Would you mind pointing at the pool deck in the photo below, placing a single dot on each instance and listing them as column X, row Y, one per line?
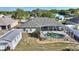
column 67, row 38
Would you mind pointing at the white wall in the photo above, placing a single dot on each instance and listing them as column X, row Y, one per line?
column 14, row 24
column 60, row 16
column 0, row 28
column 30, row 30
column 12, row 44
column 70, row 26
column 2, row 47
column 16, row 41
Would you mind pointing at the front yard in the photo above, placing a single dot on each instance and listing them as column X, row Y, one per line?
column 30, row 44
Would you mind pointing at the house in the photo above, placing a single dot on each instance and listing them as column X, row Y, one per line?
column 72, row 32
column 69, row 16
column 64, row 17
column 75, row 20
column 41, row 24
column 5, row 16
column 7, row 23
column 58, row 16
column 10, row 39
column 72, row 28
column 1, row 16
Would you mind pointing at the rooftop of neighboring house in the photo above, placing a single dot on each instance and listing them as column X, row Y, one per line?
column 40, row 22
column 75, row 20
column 68, row 15
column 5, row 16
column 76, row 32
column 69, row 23
column 10, row 35
column 6, row 21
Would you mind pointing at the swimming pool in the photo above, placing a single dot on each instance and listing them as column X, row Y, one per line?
column 54, row 35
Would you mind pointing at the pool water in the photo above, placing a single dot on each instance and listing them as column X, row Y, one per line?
column 55, row 35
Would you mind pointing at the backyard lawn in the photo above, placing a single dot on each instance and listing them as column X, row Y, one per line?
column 30, row 44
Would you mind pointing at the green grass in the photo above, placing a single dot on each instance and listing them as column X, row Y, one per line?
column 58, row 44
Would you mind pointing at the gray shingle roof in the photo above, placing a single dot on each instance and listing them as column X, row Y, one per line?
column 6, row 21
column 75, row 20
column 40, row 22
column 11, row 35
column 76, row 32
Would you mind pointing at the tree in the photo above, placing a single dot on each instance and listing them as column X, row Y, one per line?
column 53, row 10
column 42, row 13
column 72, row 11
column 63, row 12
column 20, row 14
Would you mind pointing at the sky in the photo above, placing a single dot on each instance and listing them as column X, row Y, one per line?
column 32, row 8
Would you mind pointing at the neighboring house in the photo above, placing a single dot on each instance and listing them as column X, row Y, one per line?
column 69, row 16
column 41, row 24
column 7, row 23
column 72, row 28
column 70, row 24
column 76, row 21
column 64, row 17
column 1, row 16
column 73, row 33
column 10, row 39
column 5, row 16
column 60, row 17
column 23, row 20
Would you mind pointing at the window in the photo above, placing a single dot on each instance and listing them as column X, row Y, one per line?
column 50, row 28
column 59, row 28
column 3, row 43
column 54, row 28
column 44, row 28
column 3, row 27
column 9, row 27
